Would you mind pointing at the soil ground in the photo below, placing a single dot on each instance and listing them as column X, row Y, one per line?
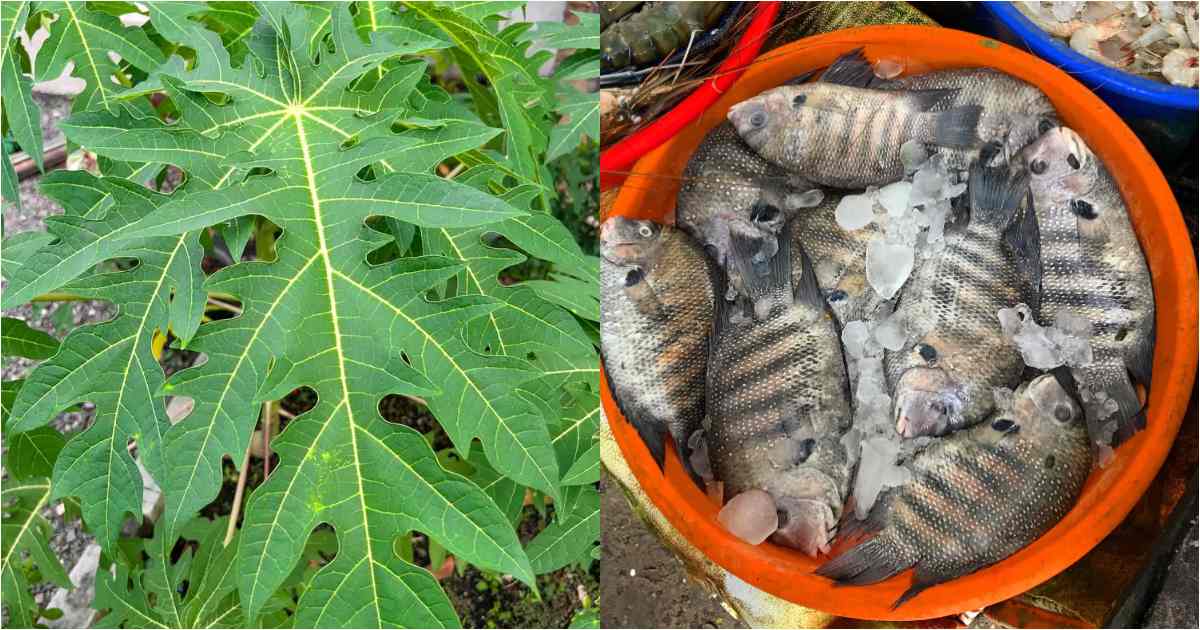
column 641, row 583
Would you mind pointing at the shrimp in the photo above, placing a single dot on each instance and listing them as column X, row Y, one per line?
column 653, row 32
column 1180, row 67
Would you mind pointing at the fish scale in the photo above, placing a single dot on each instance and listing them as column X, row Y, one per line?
column 654, row 334
column 977, row 496
column 760, row 419
column 951, row 305
column 839, row 259
column 1093, row 267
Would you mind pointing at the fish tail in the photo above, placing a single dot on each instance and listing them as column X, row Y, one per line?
column 956, row 127
column 653, row 437
column 1130, row 416
column 867, row 563
column 761, row 275
column 995, row 193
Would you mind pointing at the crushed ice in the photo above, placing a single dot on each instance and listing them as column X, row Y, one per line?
column 1067, row 342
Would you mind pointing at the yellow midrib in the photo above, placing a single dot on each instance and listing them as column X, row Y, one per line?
column 323, row 250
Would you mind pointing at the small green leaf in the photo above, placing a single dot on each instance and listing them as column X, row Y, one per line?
column 22, row 341
column 568, row 538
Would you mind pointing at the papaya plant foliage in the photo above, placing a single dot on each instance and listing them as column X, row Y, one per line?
column 388, row 205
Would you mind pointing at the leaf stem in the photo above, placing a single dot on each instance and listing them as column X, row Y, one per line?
column 237, row 496
column 269, row 419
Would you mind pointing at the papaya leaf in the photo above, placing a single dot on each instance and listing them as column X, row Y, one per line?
column 197, row 590
column 569, row 538
column 23, row 116
column 320, row 316
column 22, row 341
column 111, row 364
column 86, row 36
column 25, row 531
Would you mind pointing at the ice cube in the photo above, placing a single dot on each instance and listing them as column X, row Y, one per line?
column 855, row 336
column 888, row 266
column 888, row 68
column 750, row 516
column 891, row 333
column 877, row 471
column 1073, row 324
column 934, row 215
column 1012, row 319
column 855, row 212
column 894, row 197
column 913, row 155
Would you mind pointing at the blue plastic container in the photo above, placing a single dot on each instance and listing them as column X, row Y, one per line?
column 1129, row 95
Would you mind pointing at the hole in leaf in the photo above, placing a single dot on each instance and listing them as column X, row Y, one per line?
column 366, row 173
column 349, row 143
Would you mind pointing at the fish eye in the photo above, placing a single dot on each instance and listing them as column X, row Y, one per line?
column 1044, row 125
column 1049, row 461
column 1038, row 167
column 837, row 295
column 758, row 119
column 806, row 450
column 1073, row 161
column 633, row 277
column 1062, row 413
column 927, row 352
column 1003, row 425
column 645, row 231
column 937, row 407
column 764, row 213
column 1083, row 209
column 799, row 100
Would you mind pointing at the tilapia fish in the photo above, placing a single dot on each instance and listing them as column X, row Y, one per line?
column 777, row 406
column 1093, row 267
column 977, row 496
column 729, row 192
column 839, row 258
column 848, row 137
column 656, row 309
column 955, row 352
column 1013, row 110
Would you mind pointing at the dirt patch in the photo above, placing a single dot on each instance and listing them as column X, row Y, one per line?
column 642, row 584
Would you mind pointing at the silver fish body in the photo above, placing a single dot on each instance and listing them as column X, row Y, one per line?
column 1013, row 110
column 734, row 203
column 777, row 406
column 1093, row 267
column 955, row 352
column 977, row 496
column 656, row 309
column 848, row 137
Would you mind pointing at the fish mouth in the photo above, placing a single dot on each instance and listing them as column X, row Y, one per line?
column 749, row 118
column 621, row 253
column 808, row 525
column 928, row 402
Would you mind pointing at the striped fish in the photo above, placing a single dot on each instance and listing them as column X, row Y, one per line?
column 956, row 353
column 729, row 191
column 977, row 496
column 848, row 137
column 1093, row 267
column 1014, row 114
column 656, row 309
column 778, row 404
column 839, row 258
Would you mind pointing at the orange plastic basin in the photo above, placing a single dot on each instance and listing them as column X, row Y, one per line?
column 1109, row 494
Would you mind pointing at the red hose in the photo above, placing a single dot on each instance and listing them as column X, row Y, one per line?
column 617, row 159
